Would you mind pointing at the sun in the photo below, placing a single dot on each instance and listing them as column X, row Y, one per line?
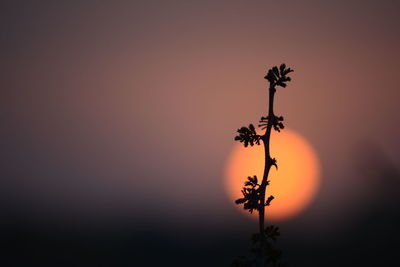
column 293, row 185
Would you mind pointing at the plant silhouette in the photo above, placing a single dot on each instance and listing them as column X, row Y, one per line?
column 263, row 251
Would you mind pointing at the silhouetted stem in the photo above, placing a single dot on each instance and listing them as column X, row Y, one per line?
column 268, row 160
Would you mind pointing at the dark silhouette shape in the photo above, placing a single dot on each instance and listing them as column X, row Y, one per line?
column 264, row 253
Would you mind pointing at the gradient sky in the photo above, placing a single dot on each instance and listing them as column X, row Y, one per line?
column 127, row 109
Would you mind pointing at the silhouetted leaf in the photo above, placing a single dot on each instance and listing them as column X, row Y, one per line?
column 252, row 129
column 273, row 163
column 282, row 68
column 268, row 202
column 240, row 200
column 280, row 83
column 276, row 71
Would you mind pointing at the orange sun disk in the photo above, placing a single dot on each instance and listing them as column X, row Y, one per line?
column 293, row 185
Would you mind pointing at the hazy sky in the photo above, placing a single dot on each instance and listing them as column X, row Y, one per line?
column 121, row 109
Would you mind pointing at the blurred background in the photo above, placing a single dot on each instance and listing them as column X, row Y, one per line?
column 117, row 119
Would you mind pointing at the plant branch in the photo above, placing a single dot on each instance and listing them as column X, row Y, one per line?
column 254, row 192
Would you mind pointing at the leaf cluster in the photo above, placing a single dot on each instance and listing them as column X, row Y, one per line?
column 274, row 121
column 251, row 194
column 263, row 247
column 264, row 253
column 248, row 135
column 271, row 232
column 277, row 77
